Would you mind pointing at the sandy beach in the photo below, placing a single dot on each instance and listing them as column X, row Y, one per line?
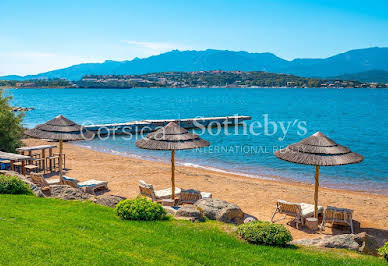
column 256, row 197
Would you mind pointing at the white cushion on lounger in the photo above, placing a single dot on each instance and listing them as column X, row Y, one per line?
column 53, row 181
column 308, row 210
column 91, row 183
column 166, row 193
column 206, row 195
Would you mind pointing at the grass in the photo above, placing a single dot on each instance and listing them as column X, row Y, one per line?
column 39, row 231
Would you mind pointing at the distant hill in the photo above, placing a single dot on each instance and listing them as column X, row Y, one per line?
column 353, row 61
column 380, row 76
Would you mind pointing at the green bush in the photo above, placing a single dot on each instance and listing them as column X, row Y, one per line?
column 259, row 232
column 383, row 251
column 11, row 130
column 13, row 185
column 140, row 208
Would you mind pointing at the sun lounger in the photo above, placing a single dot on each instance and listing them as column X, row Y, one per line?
column 339, row 216
column 300, row 211
column 39, row 180
column 147, row 190
column 90, row 186
column 190, row 196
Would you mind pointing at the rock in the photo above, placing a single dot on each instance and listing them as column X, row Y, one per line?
column 68, row 193
column 170, row 210
column 189, row 211
column 220, row 210
column 35, row 189
column 107, row 200
column 22, row 109
column 368, row 244
column 362, row 242
column 249, row 218
column 231, row 214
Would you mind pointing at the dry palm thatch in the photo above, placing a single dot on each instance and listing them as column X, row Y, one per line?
column 171, row 137
column 318, row 150
column 60, row 128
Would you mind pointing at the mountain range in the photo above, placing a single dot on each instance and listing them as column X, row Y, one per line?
column 362, row 61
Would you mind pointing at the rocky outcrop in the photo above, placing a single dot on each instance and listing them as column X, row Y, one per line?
column 368, row 244
column 189, row 211
column 35, row 189
column 66, row 192
column 220, row 210
column 22, row 109
column 362, row 242
column 107, row 200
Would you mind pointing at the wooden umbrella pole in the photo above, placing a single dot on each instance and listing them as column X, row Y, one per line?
column 173, row 174
column 316, row 191
column 60, row 158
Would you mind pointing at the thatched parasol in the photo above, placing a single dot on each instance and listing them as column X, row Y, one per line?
column 171, row 137
column 60, row 129
column 318, row 150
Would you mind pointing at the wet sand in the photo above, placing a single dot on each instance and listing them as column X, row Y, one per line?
column 256, row 197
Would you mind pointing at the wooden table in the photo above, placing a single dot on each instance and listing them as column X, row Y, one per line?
column 12, row 157
column 41, row 148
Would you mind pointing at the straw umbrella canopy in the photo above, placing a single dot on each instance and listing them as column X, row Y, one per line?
column 60, row 129
column 318, row 150
column 171, row 137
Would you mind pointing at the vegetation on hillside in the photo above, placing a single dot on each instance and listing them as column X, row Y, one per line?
column 36, row 83
column 11, row 129
column 232, row 79
column 44, row 231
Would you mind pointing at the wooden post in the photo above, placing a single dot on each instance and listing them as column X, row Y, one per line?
column 173, row 174
column 12, row 166
column 60, row 158
column 44, row 161
column 316, row 191
column 23, row 167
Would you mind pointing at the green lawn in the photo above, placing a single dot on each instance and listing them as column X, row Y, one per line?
column 38, row 231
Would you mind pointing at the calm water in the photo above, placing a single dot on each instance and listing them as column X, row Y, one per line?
column 356, row 118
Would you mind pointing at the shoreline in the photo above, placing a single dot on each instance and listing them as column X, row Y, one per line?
column 255, row 196
column 339, row 186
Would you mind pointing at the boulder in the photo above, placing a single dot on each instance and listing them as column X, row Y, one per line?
column 66, row 192
column 220, row 210
column 189, row 211
column 368, row 244
column 107, row 200
column 362, row 242
column 249, row 218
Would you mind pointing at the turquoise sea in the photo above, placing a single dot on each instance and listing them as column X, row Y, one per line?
column 356, row 118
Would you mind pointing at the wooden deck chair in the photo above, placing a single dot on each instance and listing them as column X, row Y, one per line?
column 300, row 211
column 189, row 196
column 147, row 190
column 289, row 209
column 339, row 216
column 38, row 180
column 89, row 186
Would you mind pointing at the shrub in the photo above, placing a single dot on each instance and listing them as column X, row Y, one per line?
column 383, row 251
column 140, row 208
column 11, row 129
column 259, row 232
column 13, row 185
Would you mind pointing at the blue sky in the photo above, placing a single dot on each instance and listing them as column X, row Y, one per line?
column 38, row 36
